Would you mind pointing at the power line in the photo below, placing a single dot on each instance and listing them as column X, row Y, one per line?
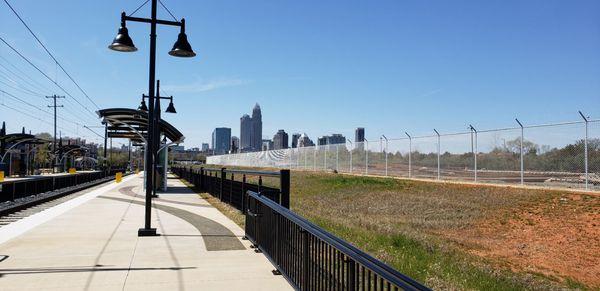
column 22, row 90
column 40, row 109
column 37, row 118
column 51, row 55
column 34, row 82
column 45, row 75
column 86, row 127
column 10, row 72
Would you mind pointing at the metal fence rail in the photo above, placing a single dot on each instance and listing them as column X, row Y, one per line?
column 221, row 183
column 311, row 258
column 560, row 155
column 11, row 190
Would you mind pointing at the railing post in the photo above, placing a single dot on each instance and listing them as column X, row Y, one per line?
column 244, row 196
column 259, row 184
column 284, row 180
column 304, row 234
column 351, row 274
column 202, row 178
column 276, row 256
column 231, row 188
column 222, row 184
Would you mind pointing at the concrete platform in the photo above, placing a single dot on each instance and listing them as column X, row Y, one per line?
column 91, row 243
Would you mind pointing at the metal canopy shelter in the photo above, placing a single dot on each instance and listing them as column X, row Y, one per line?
column 8, row 142
column 133, row 124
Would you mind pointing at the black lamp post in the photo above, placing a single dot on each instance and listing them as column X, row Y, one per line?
column 170, row 109
column 181, row 48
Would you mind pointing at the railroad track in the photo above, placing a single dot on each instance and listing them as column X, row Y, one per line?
column 27, row 206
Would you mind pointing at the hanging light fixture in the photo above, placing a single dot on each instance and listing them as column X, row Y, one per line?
column 171, row 108
column 143, row 106
column 182, row 47
column 122, row 42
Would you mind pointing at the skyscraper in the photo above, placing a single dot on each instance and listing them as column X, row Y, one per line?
column 251, row 131
column 245, row 133
column 280, row 140
column 256, row 128
column 295, row 138
column 305, row 141
column 359, row 134
column 221, row 140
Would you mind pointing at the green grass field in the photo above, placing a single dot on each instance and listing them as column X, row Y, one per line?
column 459, row 237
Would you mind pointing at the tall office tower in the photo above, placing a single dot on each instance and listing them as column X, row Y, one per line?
column 305, row 141
column 251, row 131
column 295, row 138
column 245, row 133
column 256, row 139
column 221, row 140
column 280, row 140
column 359, row 134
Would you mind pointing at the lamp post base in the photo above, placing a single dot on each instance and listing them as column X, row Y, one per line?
column 147, row 232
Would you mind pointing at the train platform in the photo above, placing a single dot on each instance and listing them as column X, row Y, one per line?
column 91, row 243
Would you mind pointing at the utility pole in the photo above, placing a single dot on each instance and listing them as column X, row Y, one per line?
column 54, row 97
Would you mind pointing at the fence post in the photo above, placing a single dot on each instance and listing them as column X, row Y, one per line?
column 521, row 151
column 314, row 158
column 585, row 149
column 305, row 160
column 351, row 149
column 409, row 153
column 474, row 150
column 438, row 153
column 366, row 157
column 284, row 184
column 325, row 158
column 337, row 157
column 223, row 176
column 386, row 154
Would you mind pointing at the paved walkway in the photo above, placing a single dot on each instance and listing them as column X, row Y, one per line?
column 91, row 243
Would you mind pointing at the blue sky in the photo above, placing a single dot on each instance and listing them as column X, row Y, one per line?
column 321, row 66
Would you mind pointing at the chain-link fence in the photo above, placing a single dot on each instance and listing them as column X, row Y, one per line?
column 561, row 155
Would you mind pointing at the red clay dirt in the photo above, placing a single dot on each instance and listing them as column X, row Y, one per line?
column 559, row 237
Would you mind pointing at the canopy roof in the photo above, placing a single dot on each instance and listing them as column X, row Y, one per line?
column 72, row 148
column 133, row 124
column 22, row 138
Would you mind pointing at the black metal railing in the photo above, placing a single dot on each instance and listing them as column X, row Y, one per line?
column 230, row 185
column 311, row 258
column 15, row 189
